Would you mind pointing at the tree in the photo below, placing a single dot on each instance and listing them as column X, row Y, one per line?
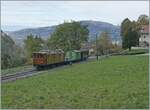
column 68, row 36
column 33, row 44
column 143, row 20
column 129, row 33
column 124, row 26
column 104, row 43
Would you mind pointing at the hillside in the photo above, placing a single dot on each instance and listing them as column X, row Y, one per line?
column 96, row 27
column 45, row 32
column 11, row 54
column 88, row 85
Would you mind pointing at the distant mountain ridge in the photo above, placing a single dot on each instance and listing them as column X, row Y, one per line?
column 95, row 27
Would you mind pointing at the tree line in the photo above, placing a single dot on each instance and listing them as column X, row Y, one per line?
column 69, row 36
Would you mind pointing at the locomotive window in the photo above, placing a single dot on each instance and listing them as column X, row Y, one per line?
column 40, row 55
column 34, row 55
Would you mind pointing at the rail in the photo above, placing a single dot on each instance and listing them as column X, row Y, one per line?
column 18, row 75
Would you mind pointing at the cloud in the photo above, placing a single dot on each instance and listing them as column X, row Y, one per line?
column 42, row 13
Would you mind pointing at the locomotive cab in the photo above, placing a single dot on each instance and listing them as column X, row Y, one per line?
column 39, row 58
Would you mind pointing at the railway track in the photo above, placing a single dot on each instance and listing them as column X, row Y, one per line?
column 18, row 75
column 24, row 74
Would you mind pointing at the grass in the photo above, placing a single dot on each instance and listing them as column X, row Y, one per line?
column 115, row 82
column 135, row 51
column 16, row 69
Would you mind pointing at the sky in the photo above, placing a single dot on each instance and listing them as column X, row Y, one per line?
column 21, row 14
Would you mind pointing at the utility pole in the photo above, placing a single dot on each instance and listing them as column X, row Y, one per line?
column 96, row 48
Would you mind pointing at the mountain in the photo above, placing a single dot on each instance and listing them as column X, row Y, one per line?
column 95, row 27
column 12, row 27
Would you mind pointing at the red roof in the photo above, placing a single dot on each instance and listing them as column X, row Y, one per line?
column 145, row 29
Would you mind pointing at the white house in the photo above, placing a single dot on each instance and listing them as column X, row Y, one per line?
column 144, row 38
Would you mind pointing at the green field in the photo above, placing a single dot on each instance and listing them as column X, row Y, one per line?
column 114, row 82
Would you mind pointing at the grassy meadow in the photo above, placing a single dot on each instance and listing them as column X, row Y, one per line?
column 114, row 82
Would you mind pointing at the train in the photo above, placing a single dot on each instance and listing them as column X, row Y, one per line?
column 47, row 59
